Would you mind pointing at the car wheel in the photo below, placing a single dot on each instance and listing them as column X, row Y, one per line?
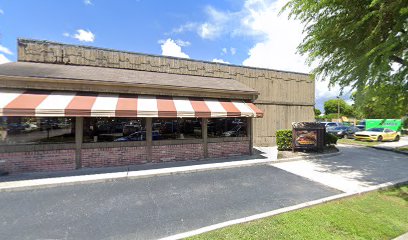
column 397, row 138
column 345, row 136
column 380, row 138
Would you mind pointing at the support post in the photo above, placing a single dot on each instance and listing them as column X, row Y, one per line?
column 250, row 135
column 204, row 132
column 149, row 139
column 79, row 127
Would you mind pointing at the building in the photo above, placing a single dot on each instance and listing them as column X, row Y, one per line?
column 66, row 106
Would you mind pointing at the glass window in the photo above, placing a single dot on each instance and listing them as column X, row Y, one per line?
column 227, row 127
column 101, row 129
column 176, row 128
column 36, row 130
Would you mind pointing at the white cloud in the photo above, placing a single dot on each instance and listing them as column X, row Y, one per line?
column 275, row 38
column 185, row 28
column 3, row 59
column 81, row 35
column 182, row 43
column 171, row 48
column 5, row 50
column 84, row 36
column 220, row 61
column 1, row 12
column 88, row 2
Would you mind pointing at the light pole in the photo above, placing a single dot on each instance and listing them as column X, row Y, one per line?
column 338, row 108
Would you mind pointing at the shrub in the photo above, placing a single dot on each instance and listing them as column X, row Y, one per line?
column 330, row 139
column 284, row 139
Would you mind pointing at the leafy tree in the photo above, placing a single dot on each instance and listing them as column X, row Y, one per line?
column 317, row 112
column 355, row 42
column 383, row 101
column 331, row 107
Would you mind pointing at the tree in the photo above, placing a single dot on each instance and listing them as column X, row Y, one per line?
column 360, row 43
column 383, row 101
column 331, row 107
column 317, row 112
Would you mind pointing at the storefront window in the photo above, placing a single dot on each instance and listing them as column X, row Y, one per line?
column 176, row 128
column 36, row 130
column 227, row 127
column 114, row 129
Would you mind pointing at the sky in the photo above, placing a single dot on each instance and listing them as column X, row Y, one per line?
column 240, row 32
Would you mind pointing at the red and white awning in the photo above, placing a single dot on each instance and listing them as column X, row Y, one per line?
column 61, row 104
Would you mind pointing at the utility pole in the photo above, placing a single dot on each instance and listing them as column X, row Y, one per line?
column 338, row 108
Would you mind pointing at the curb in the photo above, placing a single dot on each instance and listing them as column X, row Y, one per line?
column 318, row 156
column 402, row 237
column 106, row 177
column 284, row 210
column 390, row 150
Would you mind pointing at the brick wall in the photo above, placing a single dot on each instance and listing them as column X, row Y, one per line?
column 226, row 149
column 167, row 153
column 55, row 160
column 112, row 157
column 59, row 160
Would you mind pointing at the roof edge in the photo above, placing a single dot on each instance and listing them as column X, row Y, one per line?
column 28, row 40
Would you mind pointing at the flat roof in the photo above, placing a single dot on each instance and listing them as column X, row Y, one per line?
column 121, row 76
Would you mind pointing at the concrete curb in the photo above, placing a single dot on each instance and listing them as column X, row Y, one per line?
column 390, row 150
column 106, row 177
column 402, row 237
column 318, row 156
column 284, row 210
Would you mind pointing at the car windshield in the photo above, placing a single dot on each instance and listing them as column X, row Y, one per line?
column 375, row 129
column 340, row 128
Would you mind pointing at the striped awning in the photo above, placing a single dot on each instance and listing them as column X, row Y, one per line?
column 74, row 104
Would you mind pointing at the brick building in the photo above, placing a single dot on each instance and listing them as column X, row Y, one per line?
column 65, row 107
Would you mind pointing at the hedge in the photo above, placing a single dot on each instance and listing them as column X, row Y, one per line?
column 284, row 139
column 330, row 139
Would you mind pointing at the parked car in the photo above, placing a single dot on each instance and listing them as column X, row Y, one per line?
column 378, row 134
column 331, row 124
column 343, row 131
column 138, row 136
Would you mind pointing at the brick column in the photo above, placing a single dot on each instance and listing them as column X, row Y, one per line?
column 149, row 139
column 204, row 132
column 79, row 127
column 250, row 135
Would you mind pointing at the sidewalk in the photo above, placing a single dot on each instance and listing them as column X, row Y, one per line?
column 89, row 175
column 262, row 156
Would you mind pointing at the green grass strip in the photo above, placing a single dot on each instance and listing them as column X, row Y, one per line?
column 375, row 215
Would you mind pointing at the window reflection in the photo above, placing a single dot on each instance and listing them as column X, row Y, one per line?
column 227, row 127
column 114, row 129
column 36, row 130
column 176, row 128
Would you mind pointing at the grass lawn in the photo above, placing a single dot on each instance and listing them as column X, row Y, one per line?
column 404, row 148
column 375, row 215
column 355, row 142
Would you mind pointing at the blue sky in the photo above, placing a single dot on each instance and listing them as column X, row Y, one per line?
column 241, row 32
